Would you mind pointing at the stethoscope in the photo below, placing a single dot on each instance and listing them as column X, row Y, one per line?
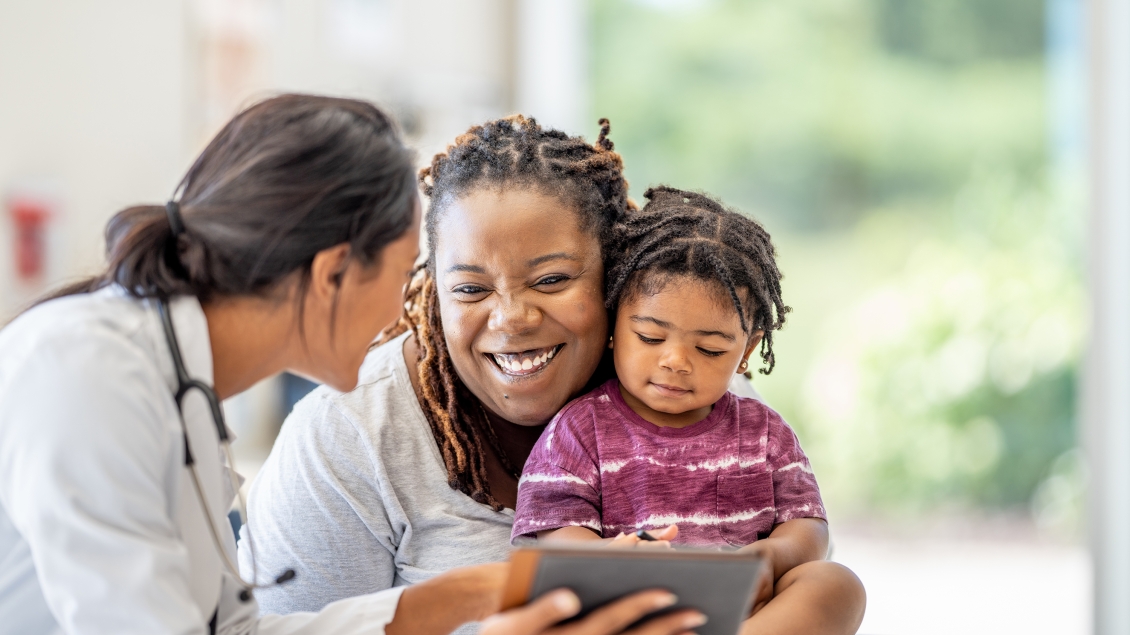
column 186, row 383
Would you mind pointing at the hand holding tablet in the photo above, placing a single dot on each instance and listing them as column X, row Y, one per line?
column 718, row 584
column 542, row 616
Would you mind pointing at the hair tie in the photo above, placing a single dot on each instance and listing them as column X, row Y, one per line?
column 176, row 223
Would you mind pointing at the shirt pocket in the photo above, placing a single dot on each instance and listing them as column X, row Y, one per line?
column 745, row 507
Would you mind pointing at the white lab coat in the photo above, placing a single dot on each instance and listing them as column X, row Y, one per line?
column 100, row 528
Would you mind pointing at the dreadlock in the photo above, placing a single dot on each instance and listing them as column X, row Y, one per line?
column 687, row 233
column 510, row 152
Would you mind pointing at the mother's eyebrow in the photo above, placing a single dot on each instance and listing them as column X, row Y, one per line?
column 465, row 268
column 560, row 255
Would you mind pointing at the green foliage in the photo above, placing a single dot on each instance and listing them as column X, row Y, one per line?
column 960, row 31
column 897, row 150
column 800, row 112
column 952, row 379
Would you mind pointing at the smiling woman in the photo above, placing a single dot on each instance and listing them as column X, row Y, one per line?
column 515, row 297
column 415, row 472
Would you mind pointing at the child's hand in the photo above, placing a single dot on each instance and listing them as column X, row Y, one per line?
column 763, row 589
column 663, row 538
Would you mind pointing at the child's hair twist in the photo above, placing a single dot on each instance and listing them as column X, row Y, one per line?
column 688, row 233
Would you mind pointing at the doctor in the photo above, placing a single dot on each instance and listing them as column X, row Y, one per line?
column 288, row 249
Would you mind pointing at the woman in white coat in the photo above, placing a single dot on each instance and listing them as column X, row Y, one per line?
column 288, row 249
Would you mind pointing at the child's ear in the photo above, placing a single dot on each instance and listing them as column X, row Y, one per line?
column 751, row 344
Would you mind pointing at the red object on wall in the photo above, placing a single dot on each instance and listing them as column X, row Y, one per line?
column 30, row 219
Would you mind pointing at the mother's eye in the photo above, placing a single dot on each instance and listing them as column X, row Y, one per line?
column 551, row 280
column 468, row 289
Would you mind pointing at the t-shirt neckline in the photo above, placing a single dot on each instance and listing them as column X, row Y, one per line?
column 719, row 413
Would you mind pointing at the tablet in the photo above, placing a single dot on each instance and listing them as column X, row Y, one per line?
column 719, row 584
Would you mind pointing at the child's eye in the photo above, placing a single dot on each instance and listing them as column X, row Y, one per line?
column 551, row 279
column 648, row 340
column 710, row 353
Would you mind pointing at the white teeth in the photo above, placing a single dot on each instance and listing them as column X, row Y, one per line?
column 514, row 363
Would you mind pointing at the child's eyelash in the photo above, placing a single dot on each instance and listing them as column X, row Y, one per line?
column 648, row 340
column 711, row 353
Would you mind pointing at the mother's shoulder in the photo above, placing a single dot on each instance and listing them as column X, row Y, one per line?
column 383, row 394
column 382, row 363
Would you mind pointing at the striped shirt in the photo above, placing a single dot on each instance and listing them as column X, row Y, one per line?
column 726, row 481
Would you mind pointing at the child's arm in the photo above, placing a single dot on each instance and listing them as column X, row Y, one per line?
column 807, row 594
column 661, row 538
column 790, row 545
column 568, row 534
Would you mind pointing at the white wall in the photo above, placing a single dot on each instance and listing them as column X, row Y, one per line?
column 91, row 104
column 105, row 104
column 551, row 65
column 1106, row 378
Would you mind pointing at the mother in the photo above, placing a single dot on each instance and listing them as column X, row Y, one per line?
column 416, row 471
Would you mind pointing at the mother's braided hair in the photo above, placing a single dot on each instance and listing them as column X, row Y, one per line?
column 510, row 152
column 687, row 233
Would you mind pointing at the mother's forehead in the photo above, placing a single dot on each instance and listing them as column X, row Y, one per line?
column 491, row 215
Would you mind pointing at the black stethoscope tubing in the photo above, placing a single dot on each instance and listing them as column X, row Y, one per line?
column 186, row 383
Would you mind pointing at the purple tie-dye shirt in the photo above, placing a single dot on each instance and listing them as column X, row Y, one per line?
column 725, row 481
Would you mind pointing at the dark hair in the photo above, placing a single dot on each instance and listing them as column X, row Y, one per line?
column 514, row 151
column 680, row 233
column 286, row 178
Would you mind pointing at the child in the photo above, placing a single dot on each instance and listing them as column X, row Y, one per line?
column 665, row 447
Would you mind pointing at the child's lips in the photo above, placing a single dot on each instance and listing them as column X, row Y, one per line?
column 671, row 391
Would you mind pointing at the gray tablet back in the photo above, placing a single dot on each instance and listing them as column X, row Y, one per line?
column 722, row 589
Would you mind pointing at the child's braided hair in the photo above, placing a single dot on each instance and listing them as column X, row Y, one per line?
column 510, row 152
column 688, row 233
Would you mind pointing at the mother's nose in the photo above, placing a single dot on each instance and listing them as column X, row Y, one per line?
column 512, row 314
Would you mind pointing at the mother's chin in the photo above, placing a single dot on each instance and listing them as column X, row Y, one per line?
column 531, row 397
column 527, row 387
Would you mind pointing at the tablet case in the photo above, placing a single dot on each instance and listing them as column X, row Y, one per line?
column 719, row 584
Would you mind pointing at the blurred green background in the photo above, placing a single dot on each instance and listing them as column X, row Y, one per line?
column 906, row 158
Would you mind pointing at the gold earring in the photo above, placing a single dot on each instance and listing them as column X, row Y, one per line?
column 742, row 367
column 609, row 341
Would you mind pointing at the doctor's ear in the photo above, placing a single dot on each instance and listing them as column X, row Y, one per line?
column 327, row 270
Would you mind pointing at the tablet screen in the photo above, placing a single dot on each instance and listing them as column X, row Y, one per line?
column 719, row 584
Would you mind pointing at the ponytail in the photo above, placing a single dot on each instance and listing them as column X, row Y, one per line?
column 285, row 179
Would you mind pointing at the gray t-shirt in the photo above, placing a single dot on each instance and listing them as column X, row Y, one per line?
column 354, row 497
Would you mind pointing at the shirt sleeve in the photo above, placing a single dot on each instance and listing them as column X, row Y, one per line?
column 85, row 446
column 366, row 614
column 560, row 484
column 795, row 492
column 306, row 512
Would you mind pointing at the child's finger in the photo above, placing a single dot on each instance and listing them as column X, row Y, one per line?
column 623, row 541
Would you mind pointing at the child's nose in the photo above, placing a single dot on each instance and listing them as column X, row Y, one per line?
column 675, row 359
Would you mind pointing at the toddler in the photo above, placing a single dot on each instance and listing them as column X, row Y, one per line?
column 665, row 447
